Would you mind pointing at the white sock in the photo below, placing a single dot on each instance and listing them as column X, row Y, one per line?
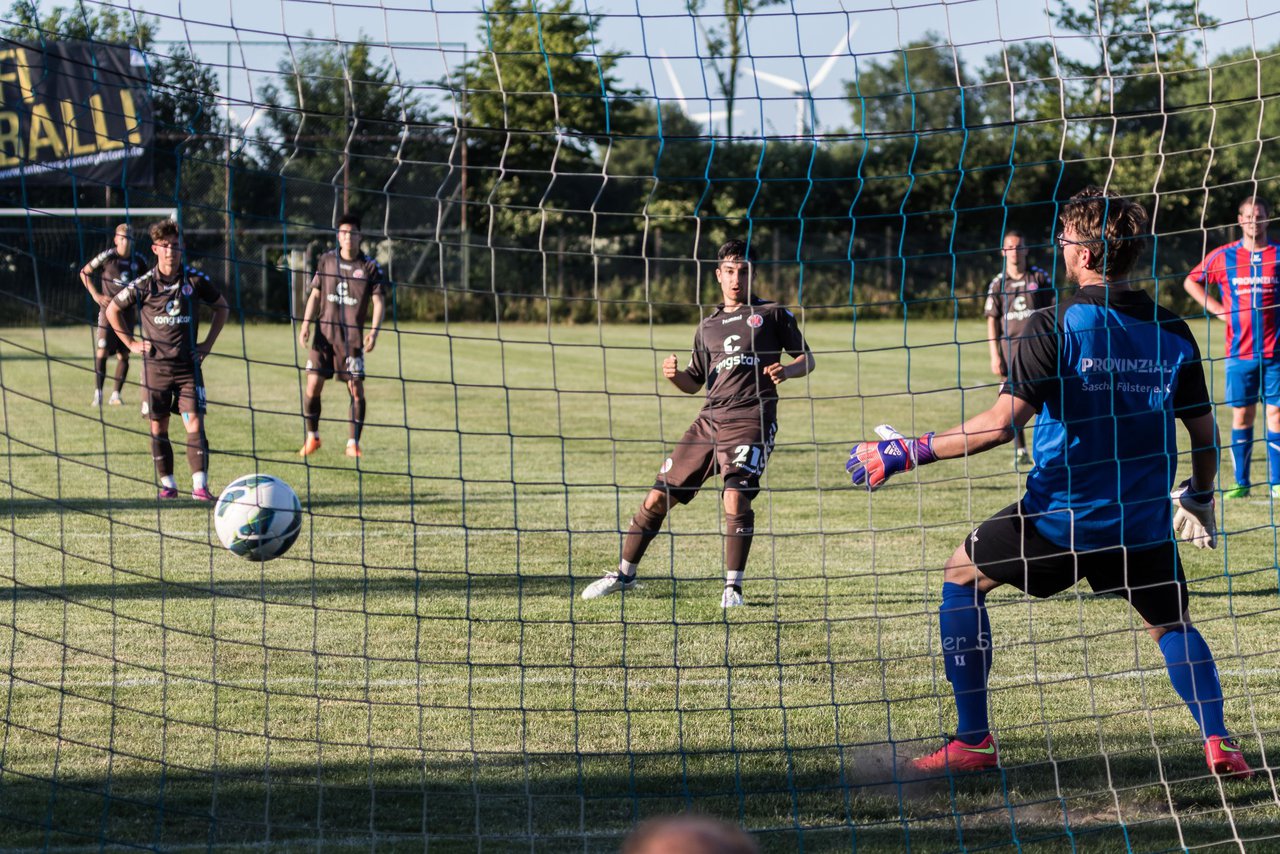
column 733, row 579
column 311, row 435
column 169, row 482
column 627, row 568
column 199, row 480
column 351, row 443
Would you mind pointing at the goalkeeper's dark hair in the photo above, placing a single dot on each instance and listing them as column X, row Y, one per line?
column 734, row 250
column 1110, row 226
column 350, row 219
column 165, row 229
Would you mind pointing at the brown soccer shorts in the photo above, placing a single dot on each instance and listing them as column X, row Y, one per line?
column 736, row 448
column 105, row 338
column 329, row 358
column 171, row 386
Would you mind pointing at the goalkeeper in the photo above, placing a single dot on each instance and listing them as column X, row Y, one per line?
column 1106, row 375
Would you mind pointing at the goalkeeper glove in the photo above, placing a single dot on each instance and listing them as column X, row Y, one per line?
column 872, row 463
column 1193, row 518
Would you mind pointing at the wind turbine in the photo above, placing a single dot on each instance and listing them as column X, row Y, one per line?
column 243, row 126
column 803, row 93
column 706, row 118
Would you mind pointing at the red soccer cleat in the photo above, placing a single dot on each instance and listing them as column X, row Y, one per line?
column 957, row 757
column 353, row 451
column 202, row 494
column 1224, row 758
column 310, row 446
column 167, row 492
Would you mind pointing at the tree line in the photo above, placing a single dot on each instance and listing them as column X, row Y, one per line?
column 531, row 182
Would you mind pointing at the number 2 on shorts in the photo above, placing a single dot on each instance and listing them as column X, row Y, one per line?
column 740, row 457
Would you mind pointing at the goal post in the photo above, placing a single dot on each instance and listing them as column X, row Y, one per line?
column 546, row 186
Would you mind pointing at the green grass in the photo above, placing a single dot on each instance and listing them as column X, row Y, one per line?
column 420, row 662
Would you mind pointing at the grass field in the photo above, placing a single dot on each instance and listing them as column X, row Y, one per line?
column 420, row 667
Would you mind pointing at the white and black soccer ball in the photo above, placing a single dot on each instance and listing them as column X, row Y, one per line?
column 258, row 517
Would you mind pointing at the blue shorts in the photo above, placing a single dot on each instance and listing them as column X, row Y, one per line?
column 1249, row 381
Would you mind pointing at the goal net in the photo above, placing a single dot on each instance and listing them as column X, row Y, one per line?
column 545, row 185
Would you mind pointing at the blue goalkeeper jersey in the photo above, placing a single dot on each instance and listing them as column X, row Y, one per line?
column 1109, row 372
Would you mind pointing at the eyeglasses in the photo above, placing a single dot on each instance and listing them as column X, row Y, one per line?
column 1061, row 239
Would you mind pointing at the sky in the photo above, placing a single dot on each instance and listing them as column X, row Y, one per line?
column 423, row 38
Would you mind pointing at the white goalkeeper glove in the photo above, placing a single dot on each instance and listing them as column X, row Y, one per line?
column 1193, row 518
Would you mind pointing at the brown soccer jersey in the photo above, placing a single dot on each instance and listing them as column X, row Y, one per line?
column 114, row 273
column 1013, row 301
column 345, row 290
column 170, row 316
column 732, row 348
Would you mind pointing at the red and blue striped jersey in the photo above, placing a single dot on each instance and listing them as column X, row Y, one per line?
column 1249, row 284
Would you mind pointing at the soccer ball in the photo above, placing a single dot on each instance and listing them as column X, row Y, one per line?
column 258, row 517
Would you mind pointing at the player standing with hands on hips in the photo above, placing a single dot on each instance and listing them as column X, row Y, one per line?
column 1247, row 275
column 167, row 298
column 737, row 357
column 113, row 268
column 1108, row 375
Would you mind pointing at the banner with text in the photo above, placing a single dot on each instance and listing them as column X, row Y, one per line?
column 74, row 110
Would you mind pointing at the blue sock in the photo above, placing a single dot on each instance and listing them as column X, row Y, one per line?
column 1241, row 453
column 1273, row 457
column 966, row 655
column 1195, row 677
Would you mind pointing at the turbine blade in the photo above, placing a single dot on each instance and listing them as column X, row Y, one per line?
column 833, row 57
column 675, row 82
column 777, row 80
column 714, row 115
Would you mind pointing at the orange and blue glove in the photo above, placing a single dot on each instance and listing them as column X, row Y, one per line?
column 872, row 463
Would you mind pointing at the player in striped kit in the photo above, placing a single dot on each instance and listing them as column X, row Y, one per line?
column 1246, row 274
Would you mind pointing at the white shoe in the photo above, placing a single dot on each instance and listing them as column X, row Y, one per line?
column 1023, row 457
column 610, row 583
column 97, row 398
column 731, row 599
column 115, row 399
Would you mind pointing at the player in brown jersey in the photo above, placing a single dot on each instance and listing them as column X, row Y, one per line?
column 110, row 270
column 1013, row 295
column 736, row 355
column 346, row 282
column 167, row 298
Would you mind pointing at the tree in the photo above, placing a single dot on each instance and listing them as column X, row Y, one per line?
column 1127, row 110
column 1132, row 42
column 541, row 88
column 1134, row 48
column 102, row 24
column 536, row 107
column 726, row 45
column 339, row 130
